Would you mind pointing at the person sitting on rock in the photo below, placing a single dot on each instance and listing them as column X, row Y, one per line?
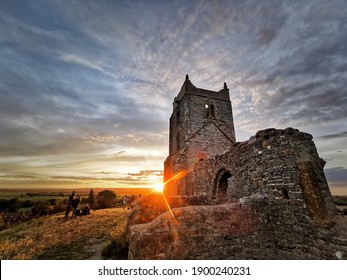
column 85, row 210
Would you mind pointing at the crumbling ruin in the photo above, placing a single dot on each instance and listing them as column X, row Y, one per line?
column 265, row 198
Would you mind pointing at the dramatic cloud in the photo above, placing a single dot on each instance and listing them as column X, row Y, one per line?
column 86, row 87
column 333, row 136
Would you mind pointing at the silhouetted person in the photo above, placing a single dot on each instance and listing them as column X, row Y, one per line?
column 75, row 203
column 69, row 204
column 85, row 210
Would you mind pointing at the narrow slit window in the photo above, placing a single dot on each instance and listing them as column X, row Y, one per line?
column 285, row 194
column 210, row 109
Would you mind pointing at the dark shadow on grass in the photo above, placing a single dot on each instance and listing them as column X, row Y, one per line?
column 72, row 251
column 116, row 249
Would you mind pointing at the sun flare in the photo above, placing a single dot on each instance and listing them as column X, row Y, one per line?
column 158, row 187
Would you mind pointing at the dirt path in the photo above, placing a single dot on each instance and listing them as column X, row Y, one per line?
column 110, row 228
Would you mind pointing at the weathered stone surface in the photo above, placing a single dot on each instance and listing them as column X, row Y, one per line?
column 258, row 227
column 199, row 117
column 193, row 232
column 265, row 198
column 146, row 209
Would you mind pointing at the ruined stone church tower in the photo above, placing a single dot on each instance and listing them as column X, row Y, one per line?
column 263, row 198
column 200, row 117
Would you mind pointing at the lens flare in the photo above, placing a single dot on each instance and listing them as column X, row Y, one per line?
column 177, row 176
column 158, row 188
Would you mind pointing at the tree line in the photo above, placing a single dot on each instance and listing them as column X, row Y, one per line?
column 104, row 199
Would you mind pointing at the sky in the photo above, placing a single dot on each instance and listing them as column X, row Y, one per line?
column 86, row 87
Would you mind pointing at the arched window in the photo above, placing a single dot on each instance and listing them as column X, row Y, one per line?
column 213, row 110
column 210, row 109
column 207, row 110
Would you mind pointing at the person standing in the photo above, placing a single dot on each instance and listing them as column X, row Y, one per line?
column 125, row 201
column 69, row 204
column 75, row 203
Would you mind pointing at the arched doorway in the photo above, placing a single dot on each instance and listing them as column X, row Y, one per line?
column 221, row 185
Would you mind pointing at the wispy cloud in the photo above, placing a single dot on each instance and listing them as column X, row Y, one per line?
column 87, row 78
column 81, row 61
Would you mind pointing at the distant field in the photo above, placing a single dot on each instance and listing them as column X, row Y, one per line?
column 26, row 199
column 60, row 194
column 339, row 191
column 341, row 202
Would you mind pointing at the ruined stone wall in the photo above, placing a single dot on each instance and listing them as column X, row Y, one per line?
column 277, row 163
column 278, row 206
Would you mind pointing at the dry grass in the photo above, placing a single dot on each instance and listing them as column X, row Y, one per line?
column 55, row 237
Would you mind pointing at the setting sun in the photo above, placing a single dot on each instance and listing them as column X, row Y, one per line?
column 158, row 187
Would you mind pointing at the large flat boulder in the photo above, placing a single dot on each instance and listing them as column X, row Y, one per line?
column 194, row 232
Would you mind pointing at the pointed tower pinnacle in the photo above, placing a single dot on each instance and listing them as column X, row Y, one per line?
column 225, row 85
column 187, row 77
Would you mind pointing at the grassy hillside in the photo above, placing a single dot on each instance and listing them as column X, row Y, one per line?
column 55, row 237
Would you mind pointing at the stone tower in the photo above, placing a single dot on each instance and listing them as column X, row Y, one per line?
column 201, row 127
